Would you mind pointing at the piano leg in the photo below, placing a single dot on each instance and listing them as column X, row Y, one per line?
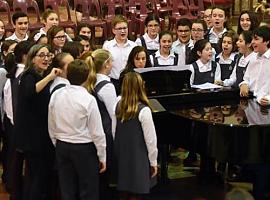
column 163, row 158
column 261, row 183
column 207, row 174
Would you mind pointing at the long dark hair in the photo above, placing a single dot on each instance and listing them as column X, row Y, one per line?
column 255, row 22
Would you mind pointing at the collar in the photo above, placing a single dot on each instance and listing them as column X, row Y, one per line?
column 147, row 38
column 265, row 55
column 212, row 31
column 103, row 77
column 114, row 43
column 200, row 64
column 41, row 31
column 14, row 37
column 231, row 57
column 157, row 54
column 20, row 65
column 178, row 43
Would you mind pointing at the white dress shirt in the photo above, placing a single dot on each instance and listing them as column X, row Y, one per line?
column 149, row 132
column 3, row 80
column 119, row 55
column 107, row 95
column 151, row 44
column 58, row 80
column 257, row 76
column 214, row 37
column 180, row 49
column 205, row 68
column 254, row 114
column 8, row 109
column 243, row 62
column 74, row 117
column 14, row 37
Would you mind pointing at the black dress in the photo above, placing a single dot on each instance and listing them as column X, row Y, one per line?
column 32, row 137
column 32, row 115
column 133, row 166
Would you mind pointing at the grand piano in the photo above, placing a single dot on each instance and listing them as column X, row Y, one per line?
column 215, row 123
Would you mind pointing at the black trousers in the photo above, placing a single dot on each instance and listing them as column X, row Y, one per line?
column 8, row 151
column 78, row 169
column 39, row 176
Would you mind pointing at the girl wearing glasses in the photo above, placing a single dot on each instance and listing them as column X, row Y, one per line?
column 150, row 40
column 50, row 19
column 56, row 39
column 32, row 122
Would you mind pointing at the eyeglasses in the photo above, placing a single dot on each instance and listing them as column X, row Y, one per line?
column 207, row 16
column 183, row 31
column 121, row 28
column 60, row 37
column 197, row 30
column 43, row 55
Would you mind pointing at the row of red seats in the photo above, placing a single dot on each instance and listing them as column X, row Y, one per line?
column 135, row 10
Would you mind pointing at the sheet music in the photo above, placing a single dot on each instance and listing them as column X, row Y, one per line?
column 156, row 106
column 166, row 68
column 206, row 86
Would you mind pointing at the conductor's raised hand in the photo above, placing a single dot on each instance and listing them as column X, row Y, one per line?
column 55, row 72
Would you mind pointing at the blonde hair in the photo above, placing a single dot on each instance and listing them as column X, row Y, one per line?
column 119, row 19
column 96, row 61
column 132, row 93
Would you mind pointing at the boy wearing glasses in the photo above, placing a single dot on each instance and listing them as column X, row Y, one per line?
column 20, row 23
column 184, row 39
column 119, row 47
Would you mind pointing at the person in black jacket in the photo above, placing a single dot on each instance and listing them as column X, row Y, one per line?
column 31, row 126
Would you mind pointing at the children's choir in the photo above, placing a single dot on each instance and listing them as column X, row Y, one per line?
column 60, row 113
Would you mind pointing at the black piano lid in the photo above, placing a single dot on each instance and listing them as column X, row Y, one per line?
column 165, row 80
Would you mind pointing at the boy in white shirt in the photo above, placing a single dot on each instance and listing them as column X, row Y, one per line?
column 20, row 23
column 119, row 47
column 75, row 128
column 256, row 78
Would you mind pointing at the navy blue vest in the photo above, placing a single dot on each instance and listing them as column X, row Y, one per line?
column 226, row 69
column 204, row 77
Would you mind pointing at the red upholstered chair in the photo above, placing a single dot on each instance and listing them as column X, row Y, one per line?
column 26, row 6
column 5, row 7
column 54, row 5
column 163, row 7
column 138, row 15
column 180, row 10
column 87, row 6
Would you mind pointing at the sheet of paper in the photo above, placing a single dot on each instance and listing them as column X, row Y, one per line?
column 206, row 86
